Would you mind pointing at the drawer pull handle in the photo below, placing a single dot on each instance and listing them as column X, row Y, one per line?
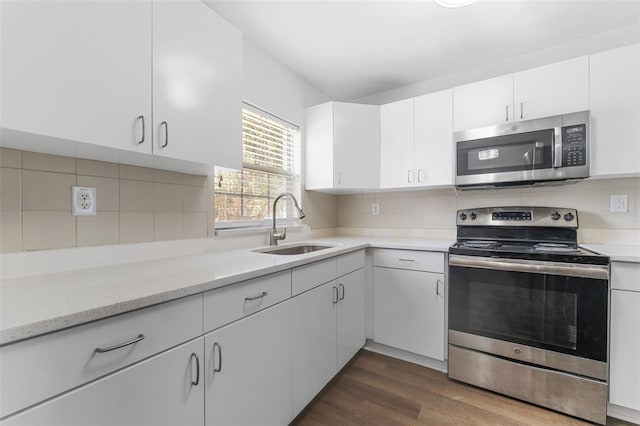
column 248, row 299
column 121, row 345
column 197, row 381
column 335, row 295
column 438, row 287
column 217, row 346
column 406, row 260
column 166, row 134
column 342, row 288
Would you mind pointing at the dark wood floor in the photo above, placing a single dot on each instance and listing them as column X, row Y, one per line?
column 377, row 390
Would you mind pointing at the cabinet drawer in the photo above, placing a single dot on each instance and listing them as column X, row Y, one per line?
column 625, row 276
column 350, row 262
column 45, row 366
column 227, row 304
column 409, row 259
column 309, row 276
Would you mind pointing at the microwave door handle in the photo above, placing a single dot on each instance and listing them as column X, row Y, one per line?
column 557, row 147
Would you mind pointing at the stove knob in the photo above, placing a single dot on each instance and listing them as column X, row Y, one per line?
column 472, row 216
column 555, row 215
column 569, row 217
column 462, row 216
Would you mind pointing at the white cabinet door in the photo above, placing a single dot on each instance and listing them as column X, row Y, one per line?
column 615, row 108
column 248, row 370
column 342, row 146
column 350, row 316
column 408, row 311
column 624, row 375
column 356, row 144
column 396, row 143
column 314, row 342
column 163, row 390
column 554, row 89
column 78, row 71
column 484, row 103
column 197, row 77
column 433, row 145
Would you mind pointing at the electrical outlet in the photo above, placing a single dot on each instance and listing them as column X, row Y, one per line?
column 83, row 201
column 619, row 203
column 375, row 209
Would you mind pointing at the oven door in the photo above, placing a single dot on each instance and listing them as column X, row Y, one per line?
column 553, row 306
column 507, row 158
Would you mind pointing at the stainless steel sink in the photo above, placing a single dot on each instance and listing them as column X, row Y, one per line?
column 293, row 249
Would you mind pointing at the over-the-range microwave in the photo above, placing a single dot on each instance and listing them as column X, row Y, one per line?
column 533, row 152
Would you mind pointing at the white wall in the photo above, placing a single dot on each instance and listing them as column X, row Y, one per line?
column 585, row 46
column 274, row 88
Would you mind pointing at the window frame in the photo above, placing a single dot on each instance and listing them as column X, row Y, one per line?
column 261, row 224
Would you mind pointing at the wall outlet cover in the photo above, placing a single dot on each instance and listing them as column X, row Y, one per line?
column 619, row 203
column 375, row 209
column 83, row 201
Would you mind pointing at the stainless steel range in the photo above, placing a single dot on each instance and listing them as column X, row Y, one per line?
column 528, row 309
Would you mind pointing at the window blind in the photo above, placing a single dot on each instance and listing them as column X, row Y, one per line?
column 270, row 166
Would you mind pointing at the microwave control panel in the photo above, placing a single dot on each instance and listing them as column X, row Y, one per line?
column 574, row 145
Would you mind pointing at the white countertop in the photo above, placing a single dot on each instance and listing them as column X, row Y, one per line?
column 39, row 304
column 617, row 252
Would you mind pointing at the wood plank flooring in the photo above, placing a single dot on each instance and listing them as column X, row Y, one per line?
column 377, row 390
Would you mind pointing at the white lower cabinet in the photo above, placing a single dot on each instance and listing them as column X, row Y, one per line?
column 314, row 342
column 328, row 330
column 408, row 303
column 167, row 389
column 624, row 373
column 350, row 323
column 248, row 370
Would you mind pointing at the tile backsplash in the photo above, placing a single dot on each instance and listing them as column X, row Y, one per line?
column 435, row 209
column 134, row 204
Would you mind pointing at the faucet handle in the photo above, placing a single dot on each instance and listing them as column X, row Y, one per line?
column 284, row 233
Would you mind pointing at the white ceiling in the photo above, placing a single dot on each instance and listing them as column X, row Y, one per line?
column 351, row 49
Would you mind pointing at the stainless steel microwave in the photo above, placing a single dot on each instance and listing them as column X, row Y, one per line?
column 533, row 152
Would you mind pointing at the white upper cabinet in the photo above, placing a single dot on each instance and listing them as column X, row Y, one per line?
column 78, row 71
column 109, row 79
column 416, row 141
column 553, row 89
column 558, row 88
column 433, row 143
column 396, row 144
column 615, row 112
column 342, row 146
column 197, row 78
column 483, row 103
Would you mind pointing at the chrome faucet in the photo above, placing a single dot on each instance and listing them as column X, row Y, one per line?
column 275, row 236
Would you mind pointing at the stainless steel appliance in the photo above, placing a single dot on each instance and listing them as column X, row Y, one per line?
column 528, row 309
column 529, row 152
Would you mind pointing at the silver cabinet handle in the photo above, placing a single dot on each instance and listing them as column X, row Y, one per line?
column 260, row 296
column 341, row 287
column 420, row 175
column 339, row 178
column 438, row 287
column 506, row 108
column 217, row 346
column 121, row 345
column 197, row 381
column 521, row 111
column 166, row 134
column 141, row 118
column 335, row 295
column 406, row 260
column 408, row 176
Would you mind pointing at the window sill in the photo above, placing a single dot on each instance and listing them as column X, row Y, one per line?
column 231, row 232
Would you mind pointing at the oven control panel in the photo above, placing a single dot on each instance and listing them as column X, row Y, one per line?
column 518, row 216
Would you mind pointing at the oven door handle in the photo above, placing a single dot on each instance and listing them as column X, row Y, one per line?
column 599, row 272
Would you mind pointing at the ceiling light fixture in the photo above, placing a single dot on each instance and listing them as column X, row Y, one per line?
column 454, row 3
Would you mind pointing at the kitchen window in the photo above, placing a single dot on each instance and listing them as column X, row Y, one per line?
column 270, row 166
